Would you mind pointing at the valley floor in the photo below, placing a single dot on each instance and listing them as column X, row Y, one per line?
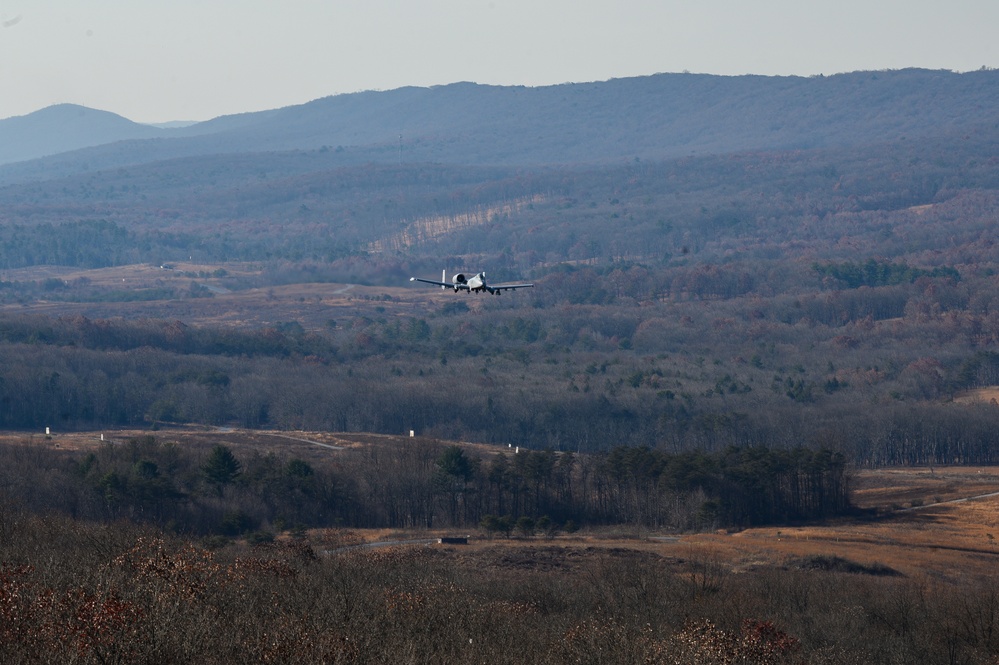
column 940, row 522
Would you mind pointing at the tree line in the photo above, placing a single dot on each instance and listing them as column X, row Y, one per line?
column 573, row 379
column 425, row 484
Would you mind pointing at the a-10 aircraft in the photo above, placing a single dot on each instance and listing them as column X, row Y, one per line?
column 474, row 284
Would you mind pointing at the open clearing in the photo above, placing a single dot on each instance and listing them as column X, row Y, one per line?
column 913, row 520
column 988, row 394
column 229, row 300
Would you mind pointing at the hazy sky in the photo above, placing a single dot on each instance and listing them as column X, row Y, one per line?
column 159, row 60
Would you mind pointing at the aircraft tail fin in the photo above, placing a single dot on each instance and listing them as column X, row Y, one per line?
column 444, row 279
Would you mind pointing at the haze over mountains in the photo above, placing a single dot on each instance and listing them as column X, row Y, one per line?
column 652, row 117
column 673, row 165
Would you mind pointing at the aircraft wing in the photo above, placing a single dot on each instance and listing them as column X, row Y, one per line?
column 509, row 287
column 445, row 285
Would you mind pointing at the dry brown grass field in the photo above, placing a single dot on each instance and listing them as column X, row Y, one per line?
column 949, row 541
column 311, row 304
column 939, row 523
column 988, row 394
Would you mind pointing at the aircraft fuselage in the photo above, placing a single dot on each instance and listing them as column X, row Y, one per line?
column 474, row 284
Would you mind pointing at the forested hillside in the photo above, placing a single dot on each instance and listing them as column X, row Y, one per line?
column 62, row 128
column 299, row 206
column 648, row 118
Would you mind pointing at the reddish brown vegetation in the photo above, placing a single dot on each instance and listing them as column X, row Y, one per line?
column 89, row 594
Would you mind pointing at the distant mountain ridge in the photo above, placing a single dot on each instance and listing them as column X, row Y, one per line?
column 650, row 117
column 65, row 127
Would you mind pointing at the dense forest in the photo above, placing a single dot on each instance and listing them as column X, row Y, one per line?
column 205, row 491
column 892, row 200
column 871, row 372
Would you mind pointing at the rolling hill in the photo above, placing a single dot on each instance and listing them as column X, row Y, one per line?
column 648, row 118
column 63, row 128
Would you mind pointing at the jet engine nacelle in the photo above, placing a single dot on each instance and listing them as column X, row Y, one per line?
column 459, row 279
